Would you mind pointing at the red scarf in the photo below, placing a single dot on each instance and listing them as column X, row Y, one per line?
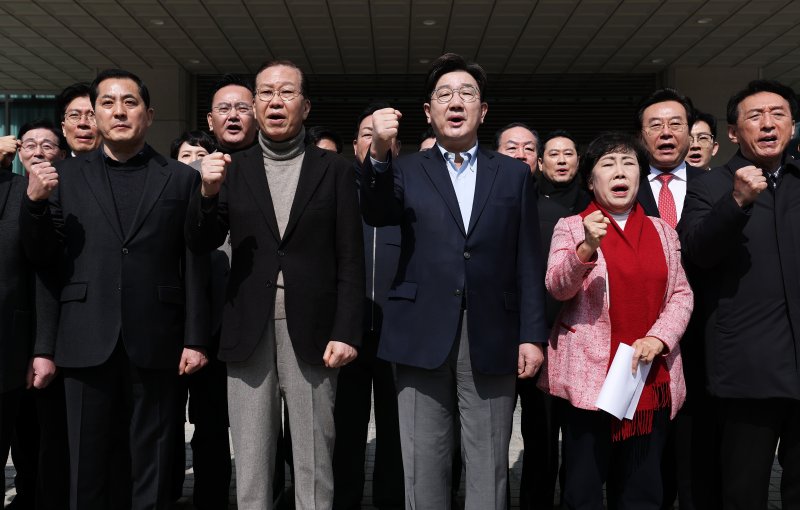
column 637, row 283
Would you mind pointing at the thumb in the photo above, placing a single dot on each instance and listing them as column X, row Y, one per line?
column 226, row 158
column 29, row 376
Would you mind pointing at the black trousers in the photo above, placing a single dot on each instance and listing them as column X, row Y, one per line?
column 357, row 383
column 9, row 407
column 39, row 449
column 540, row 425
column 631, row 469
column 96, row 398
column 749, row 433
column 206, row 392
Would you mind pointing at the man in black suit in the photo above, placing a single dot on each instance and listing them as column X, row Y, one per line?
column 465, row 314
column 131, row 296
column 294, row 301
column 369, row 379
column 663, row 121
column 39, row 447
column 740, row 242
column 18, row 324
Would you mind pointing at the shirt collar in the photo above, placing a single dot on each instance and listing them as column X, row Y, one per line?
column 468, row 156
column 679, row 172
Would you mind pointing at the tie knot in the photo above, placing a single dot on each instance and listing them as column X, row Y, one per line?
column 665, row 177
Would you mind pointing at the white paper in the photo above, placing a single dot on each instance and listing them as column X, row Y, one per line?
column 621, row 390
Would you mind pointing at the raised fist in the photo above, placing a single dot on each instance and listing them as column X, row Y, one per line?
column 42, row 180
column 212, row 170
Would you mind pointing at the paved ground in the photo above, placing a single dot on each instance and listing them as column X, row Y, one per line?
column 515, row 462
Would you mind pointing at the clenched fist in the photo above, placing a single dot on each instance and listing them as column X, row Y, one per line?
column 42, row 180
column 385, row 124
column 8, row 149
column 595, row 228
column 212, row 170
column 748, row 183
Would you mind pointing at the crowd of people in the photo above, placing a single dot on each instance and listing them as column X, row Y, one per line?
column 277, row 290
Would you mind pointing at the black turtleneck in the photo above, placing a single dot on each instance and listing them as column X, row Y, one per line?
column 127, row 181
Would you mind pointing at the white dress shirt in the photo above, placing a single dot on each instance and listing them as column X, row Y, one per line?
column 677, row 186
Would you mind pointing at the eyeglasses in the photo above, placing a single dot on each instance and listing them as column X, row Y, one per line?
column 47, row 146
column 225, row 109
column 74, row 117
column 675, row 126
column 704, row 139
column 286, row 95
column 467, row 93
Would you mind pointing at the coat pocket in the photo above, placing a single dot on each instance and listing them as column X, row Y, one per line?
column 403, row 290
column 74, row 292
column 174, row 295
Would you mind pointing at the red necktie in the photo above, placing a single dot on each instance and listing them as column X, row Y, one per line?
column 666, row 203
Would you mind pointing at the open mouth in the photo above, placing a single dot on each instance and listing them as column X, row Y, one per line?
column 695, row 157
column 455, row 120
column 666, row 147
column 619, row 190
column 233, row 128
column 275, row 118
column 769, row 140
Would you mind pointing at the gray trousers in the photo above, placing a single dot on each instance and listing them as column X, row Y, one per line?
column 428, row 401
column 255, row 387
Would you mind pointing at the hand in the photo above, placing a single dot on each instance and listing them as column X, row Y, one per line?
column 595, row 228
column 8, row 149
column 42, row 180
column 213, row 169
column 530, row 360
column 41, row 371
column 645, row 350
column 338, row 354
column 748, row 183
column 192, row 360
column 385, row 124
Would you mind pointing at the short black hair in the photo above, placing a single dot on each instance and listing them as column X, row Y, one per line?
column 316, row 133
column 80, row 89
column 499, row 133
column 661, row 96
column 229, row 79
column 121, row 74
column 304, row 87
column 44, row 124
column 450, row 62
column 196, row 138
column 756, row 86
column 708, row 119
column 606, row 143
column 428, row 133
column 558, row 133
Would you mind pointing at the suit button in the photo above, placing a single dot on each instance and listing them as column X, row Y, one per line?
column 281, row 253
column 457, row 292
column 467, row 255
column 124, row 251
column 269, row 283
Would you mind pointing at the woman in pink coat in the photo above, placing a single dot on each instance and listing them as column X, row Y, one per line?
column 619, row 273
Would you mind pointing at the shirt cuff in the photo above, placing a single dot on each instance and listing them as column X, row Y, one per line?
column 379, row 166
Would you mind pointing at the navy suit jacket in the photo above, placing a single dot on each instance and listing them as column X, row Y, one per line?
column 494, row 264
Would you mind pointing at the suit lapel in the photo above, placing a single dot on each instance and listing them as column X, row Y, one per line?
column 487, row 171
column 315, row 164
column 5, row 188
column 94, row 172
column 252, row 168
column 646, row 198
column 157, row 177
column 436, row 168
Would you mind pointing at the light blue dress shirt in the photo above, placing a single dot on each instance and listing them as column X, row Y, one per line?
column 463, row 179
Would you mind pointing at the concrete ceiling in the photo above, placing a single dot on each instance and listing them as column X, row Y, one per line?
column 47, row 44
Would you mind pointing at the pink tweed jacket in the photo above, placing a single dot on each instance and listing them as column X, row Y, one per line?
column 578, row 351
